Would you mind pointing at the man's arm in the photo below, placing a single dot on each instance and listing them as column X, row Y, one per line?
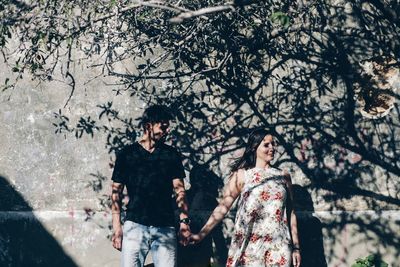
column 184, row 228
column 116, row 203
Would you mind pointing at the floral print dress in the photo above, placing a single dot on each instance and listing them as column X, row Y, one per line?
column 261, row 234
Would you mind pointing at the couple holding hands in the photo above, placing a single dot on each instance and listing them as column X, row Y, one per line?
column 265, row 229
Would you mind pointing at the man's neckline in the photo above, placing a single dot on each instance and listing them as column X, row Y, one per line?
column 148, row 151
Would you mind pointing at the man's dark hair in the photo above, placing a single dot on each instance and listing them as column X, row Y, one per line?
column 155, row 114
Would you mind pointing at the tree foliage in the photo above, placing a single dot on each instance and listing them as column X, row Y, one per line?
column 294, row 67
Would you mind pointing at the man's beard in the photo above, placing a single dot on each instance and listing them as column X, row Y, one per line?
column 159, row 138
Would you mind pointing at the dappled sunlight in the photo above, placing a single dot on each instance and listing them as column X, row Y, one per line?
column 296, row 68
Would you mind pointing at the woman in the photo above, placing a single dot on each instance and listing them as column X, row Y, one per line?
column 265, row 232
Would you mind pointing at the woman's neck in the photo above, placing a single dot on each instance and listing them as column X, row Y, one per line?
column 262, row 164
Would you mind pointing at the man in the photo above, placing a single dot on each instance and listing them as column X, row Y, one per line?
column 150, row 170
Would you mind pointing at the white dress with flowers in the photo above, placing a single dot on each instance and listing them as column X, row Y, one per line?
column 261, row 235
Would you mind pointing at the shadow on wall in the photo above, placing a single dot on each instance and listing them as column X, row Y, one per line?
column 202, row 199
column 310, row 230
column 305, row 83
column 23, row 239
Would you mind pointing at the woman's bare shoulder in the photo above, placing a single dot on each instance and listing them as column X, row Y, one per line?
column 240, row 176
column 286, row 175
column 240, row 171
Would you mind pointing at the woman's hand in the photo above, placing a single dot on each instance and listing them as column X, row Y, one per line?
column 296, row 258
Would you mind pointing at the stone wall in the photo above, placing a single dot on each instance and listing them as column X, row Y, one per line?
column 54, row 187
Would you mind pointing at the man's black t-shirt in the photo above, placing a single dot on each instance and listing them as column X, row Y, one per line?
column 148, row 178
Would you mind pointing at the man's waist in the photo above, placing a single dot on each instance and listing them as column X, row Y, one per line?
column 163, row 220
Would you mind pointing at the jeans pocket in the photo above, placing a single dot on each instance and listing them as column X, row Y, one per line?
column 129, row 227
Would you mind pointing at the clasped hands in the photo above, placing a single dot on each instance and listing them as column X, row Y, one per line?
column 187, row 237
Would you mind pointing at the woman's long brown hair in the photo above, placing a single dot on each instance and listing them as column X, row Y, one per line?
column 248, row 159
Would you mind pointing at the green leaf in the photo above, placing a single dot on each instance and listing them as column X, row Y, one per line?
column 373, row 260
column 280, row 18
column 276, row 16
column 113, row 3
column 370, row 258
column 69, row 41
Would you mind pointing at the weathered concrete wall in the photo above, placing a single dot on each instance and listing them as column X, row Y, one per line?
column 46, row 178
column 50, row 212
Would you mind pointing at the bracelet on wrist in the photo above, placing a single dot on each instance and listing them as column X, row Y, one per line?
column 186, row 221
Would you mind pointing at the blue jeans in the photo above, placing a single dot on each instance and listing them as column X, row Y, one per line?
column 139, row 239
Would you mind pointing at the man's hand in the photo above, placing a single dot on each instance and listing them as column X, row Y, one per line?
column 117, row 238
column 184, row 234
